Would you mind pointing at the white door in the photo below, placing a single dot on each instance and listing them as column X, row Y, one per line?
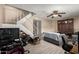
column 37, row 28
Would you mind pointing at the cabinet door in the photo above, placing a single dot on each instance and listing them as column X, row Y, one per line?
column 65, row 26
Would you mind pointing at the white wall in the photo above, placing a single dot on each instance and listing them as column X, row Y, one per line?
column 8, row 26
column 12, row 14
column 54, row 26
column 49, row 26
column 1, row 14
column 76, row 24
column 9, row 14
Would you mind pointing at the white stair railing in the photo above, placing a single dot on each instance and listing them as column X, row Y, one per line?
column 28, row 29
column 24, row 18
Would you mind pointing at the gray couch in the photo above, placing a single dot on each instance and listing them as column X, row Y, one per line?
column 52, row 37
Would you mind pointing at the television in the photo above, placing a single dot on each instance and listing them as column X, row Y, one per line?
column 7, row 35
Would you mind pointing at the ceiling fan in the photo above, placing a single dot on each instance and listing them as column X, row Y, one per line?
column 56, row 13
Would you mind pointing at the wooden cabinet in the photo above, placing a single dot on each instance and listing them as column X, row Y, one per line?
column 66, row 26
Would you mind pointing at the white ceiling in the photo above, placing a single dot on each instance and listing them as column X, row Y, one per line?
column 42, row 10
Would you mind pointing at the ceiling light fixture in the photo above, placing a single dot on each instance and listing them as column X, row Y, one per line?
column 55, row 15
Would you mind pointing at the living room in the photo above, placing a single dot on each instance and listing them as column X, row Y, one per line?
column 43, row 23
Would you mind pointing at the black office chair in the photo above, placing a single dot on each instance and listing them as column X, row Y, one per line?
column 67, row 47
column 25, row 40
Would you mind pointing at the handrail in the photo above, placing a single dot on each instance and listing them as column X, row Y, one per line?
column 27, row 20
column 31, row 23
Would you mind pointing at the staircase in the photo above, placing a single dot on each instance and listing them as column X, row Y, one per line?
column 26, row 24
column 23, row 20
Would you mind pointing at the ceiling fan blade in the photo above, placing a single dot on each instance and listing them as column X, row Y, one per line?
column 60, row 15
column 49, row 15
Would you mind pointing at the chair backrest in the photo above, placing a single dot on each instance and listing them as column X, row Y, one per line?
column 67, row 47
column 78, row 37
column 63, row 40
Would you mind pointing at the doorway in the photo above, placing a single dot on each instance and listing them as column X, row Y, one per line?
column 37, row 28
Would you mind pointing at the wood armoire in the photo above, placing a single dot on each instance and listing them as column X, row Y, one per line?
column 66, row 26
